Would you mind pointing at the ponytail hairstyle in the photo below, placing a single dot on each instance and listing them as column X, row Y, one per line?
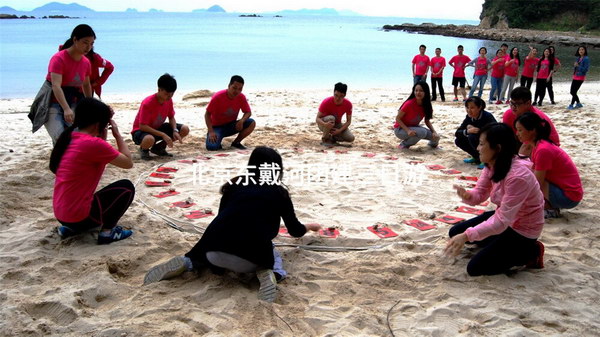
column 501, row 138
column 532, row 121
column 480, row 103
column 90, row 55
column 89, row 111
column 428, row 109
column 78, row 33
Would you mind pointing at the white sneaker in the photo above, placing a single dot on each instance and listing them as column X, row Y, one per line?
column 174, row 267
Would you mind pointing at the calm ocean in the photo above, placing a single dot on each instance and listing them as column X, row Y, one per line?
column 203, row 50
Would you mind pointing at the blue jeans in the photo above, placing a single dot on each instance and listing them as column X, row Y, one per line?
column 223, row 131
column 56, row 123
column 478, row 79
column 496, row 88
column 418, row 78
column 558, row 199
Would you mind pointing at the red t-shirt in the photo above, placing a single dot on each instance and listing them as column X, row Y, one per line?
column 225, row 110
column 560, row 169
column 152, row 113
column 329, row 108
column 544, row 71
column 436, row 64
column 512, row 69
column 509, row 119
column 413, row 113
column 78, row 175
column 481, row 66
column 421, row 63
column 73, row 72
column 530, row 66
column 498, row 68
column 459, row 62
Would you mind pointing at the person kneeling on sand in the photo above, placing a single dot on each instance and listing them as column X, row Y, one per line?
column 329, row 117
column 410, row 115
column 467, row 134
column 150, row 131
column 239, row 238
column 509, row 234
column 78, row 161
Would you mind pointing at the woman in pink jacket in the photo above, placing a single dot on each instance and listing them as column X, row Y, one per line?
column 509, row 234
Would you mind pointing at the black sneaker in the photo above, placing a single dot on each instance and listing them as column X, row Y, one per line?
column 238, row 146
column 159, row 149
column 144, row 154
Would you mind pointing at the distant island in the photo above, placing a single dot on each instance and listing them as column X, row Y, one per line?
column 212, row 9
column 54, row 7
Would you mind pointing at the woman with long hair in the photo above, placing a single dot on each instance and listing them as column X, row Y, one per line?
column 545, row 68
column 416, row 108
column 97, row 79
column 497, row 76
column 581, row 67
column 511, row 72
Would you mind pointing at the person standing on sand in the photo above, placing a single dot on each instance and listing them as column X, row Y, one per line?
column 482, row 66
column 529, row 67
column 545, row 68
column 420, row 65
column 582, row 65
column 221, row 116
column 557, row 66
column 459, row 62
column 329, row 117
column 97, row 80
column 509, row 235
column 438, row 63
column 497, row 76
column 416, row 108
column 511, row 72
column 239, row 239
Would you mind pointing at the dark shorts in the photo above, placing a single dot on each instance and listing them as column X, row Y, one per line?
column 223, row 131
column 139, row 135
column 458, row 80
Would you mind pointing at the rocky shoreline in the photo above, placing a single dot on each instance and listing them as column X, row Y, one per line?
column 506, row 35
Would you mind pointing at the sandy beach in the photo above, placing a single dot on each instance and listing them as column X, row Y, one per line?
column 354, row 285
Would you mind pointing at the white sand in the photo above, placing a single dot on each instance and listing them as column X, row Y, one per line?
column 75, row 287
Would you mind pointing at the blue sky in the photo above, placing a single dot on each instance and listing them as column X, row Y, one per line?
column 439, row 9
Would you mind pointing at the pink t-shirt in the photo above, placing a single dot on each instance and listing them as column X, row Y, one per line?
column 544, row 71
column 509, row 119
column 575, row 77
column 73, row 72
column 530, row 66
column 519, row 198
column 436, row 64
column 152, row 113
column 512, row 69
column 560, row 169
column 329, row 108
column 421, row 63
column 459, row 62
column 225, row 110
column 413, row 113
column 481, row 66
column 78, row 175
column 498, row 68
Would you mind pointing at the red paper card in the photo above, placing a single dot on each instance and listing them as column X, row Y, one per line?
column 369, row 154
column 449, row 219
column 284, row 232
column 451, row 171
column 197, row 215
column 161, row 175
column 167, row 169
column 243, row 152
column 331, row 233
column 435, row 167
column 182, row 204
column 468, row 178
column 222, row 155
column 418, row 224
column 341, row 151
column 415, row 162
column 156, row 183
column 203, row 158
column 469, row 210
column 187, row 161
column 165, row 194
column 382, row 232
column 391, row 158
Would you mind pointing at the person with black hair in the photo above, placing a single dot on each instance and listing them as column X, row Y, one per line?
column 420, row 65
column 437, row 65
column 557, row 66
column 416, row 108
column 329, row 117
column 239, row 239
column 482, row 66
column 150, row 131
column 467, row 134
column 545, row 69
column 509, row 235
column 459, row 62
column 581, row 67
column 511, row 72
column 529, row 67
column 221, row 116
column 97, row 79
column 78, row 161
column 555, row 171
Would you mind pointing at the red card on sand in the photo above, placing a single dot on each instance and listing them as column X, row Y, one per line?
column 167, row 169
column 165, row 194
column 382, row 231
column 243, row 152
column 449, row 219
column 187, row 161
column 418, row 224
column 162, row 175
column 467, row 178
column 451, row 171
column 369, row 154
column 469, row 210
column 330, row 233
column 284, row 232
column 222, row 155
column 197, row 215
column 391, row 158
column 157, row 183
column 415, row 162
column 182, row 204
column 435, row 167
column 341, row 151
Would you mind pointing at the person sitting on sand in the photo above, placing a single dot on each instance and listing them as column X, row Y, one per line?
column 555, row 171
column 416, row 107
column 520, row 103
column 467, row 134
column 459, row 62
column 329, row 117
column 221, row 116
column 78, row 161
column 240, row 237
column 509, row 235
column 150, row 131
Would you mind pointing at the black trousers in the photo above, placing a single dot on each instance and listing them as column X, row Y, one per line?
column 468, row 144
column 550, row 90
column 437, row 80
column 575, row 85
column 526, row 82
column 540, row 90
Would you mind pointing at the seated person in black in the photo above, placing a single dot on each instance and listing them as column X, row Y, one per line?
column 467, row 135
